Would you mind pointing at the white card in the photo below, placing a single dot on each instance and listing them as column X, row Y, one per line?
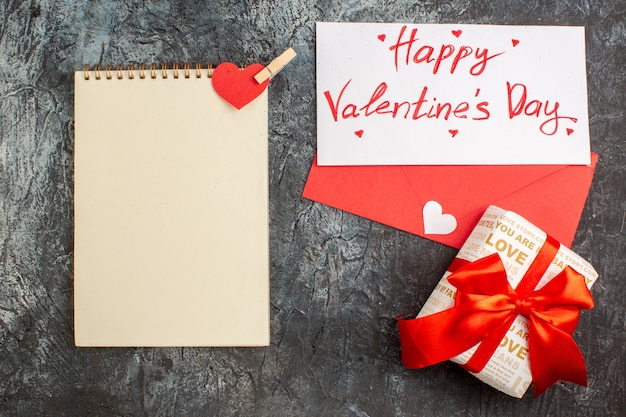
column 410, row 94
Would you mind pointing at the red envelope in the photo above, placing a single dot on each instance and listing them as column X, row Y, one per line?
column 443, row 203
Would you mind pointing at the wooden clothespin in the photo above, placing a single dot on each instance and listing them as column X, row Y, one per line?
column 275, row 66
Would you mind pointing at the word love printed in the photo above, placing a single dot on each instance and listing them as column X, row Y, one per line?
column 396, row 94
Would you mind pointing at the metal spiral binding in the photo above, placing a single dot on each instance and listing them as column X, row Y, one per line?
column 119, row 72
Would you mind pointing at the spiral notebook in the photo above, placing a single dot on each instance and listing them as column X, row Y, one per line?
column 171, row 211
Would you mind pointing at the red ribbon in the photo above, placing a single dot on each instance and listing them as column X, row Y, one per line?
column 486, row 306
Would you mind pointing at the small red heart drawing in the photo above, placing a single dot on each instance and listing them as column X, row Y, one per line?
column 238, row 87
column 359, row 133
column 382, row 37
column 569, row 131
column 457, row 33
column 514, row 42
column 453, row 132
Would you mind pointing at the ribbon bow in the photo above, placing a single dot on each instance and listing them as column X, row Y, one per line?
column 486, row 306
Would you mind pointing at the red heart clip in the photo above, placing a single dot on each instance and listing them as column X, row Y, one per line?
column 238, row 87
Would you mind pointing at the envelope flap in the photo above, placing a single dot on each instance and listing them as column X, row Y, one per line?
column 462, row 187
column 552, row 197
column 371, row 192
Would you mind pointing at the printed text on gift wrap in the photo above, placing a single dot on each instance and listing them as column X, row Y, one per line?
column 515, row 243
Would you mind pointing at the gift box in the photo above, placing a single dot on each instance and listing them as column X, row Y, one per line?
column 505, row 309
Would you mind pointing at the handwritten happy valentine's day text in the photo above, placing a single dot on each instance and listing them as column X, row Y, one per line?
column 408, row 50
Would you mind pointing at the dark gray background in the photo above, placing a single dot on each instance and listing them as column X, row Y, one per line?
column 337, row 281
